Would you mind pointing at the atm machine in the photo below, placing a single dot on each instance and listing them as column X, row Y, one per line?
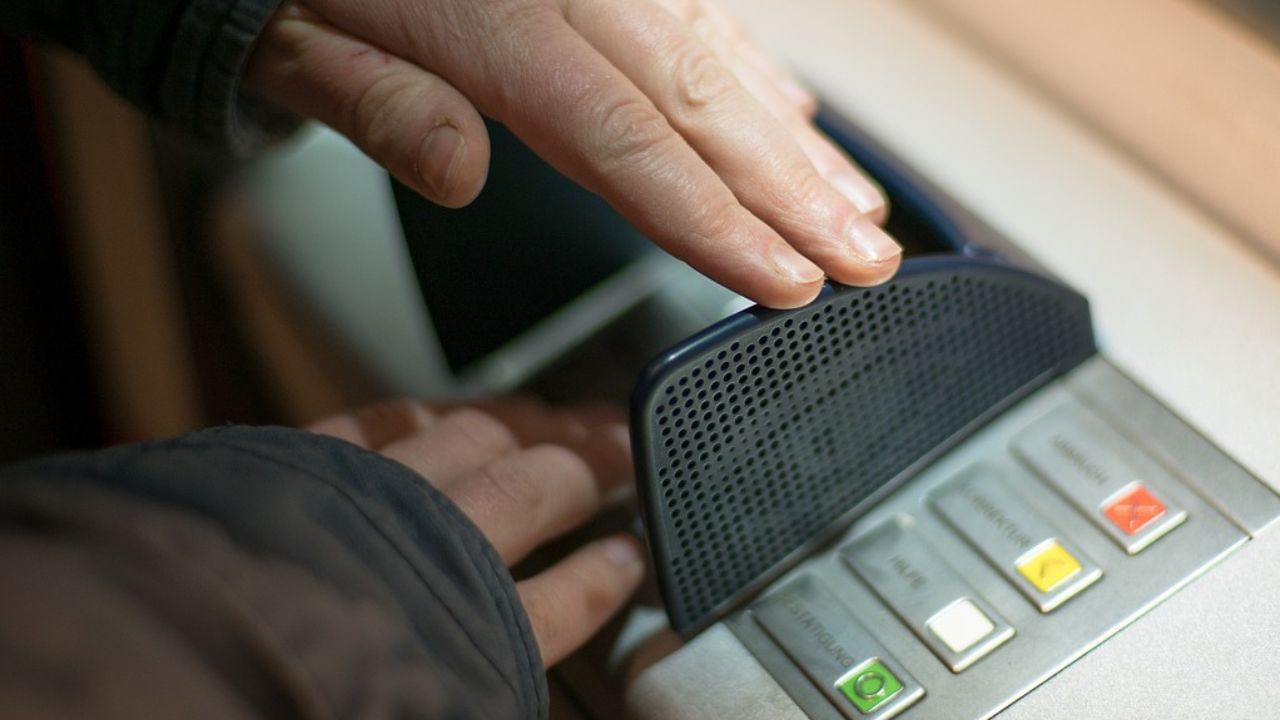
column 952, row 595
column 920, row 500
column 1035, row 475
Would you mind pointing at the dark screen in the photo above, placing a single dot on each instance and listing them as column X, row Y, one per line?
column 532, row 242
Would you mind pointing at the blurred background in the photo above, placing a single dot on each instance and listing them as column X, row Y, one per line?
column 148, row 287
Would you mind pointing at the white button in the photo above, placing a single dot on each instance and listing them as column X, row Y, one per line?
column 960, row 625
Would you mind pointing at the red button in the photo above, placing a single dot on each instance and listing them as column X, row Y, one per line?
column 1135, row 510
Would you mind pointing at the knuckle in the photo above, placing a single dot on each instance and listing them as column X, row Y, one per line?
column 522, row 13
column 505, row 485
column 438, row 29
column 376, row 106
column 631, row 129
column 483, row 430
column 804, row 189
column 719, row 223
column 701, row 79
column 556, row 483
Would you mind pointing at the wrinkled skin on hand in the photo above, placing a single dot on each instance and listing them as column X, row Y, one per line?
column 663, row 107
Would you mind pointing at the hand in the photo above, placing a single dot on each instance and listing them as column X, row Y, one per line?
column 524, row 474
column 663, row 107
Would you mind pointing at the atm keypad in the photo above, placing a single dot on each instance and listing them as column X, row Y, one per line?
column 997, row 563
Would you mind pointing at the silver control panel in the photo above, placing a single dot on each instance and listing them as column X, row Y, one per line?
column 1035, row 540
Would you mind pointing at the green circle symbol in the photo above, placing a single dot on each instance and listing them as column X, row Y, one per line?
column 869, row 684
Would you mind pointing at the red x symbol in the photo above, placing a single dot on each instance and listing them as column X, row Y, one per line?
column 1135, row 510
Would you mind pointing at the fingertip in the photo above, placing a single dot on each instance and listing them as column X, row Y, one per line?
column 808, row 105
column 474, row 171
column 869, row 274
column 625, row 553
column 572, row 600
column 452, row 164
column 853, row 183
column 620, row 435
column 796, row 281
column 879, row 214
column 794, row 297
column 804, row 101
column 883, row 272
column 870, row 243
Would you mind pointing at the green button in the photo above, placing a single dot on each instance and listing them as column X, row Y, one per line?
column 869, row 685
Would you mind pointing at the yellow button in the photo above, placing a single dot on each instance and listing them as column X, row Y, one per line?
column 1049, row 567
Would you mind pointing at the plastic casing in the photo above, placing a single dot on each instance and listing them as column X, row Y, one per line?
column 699, row 590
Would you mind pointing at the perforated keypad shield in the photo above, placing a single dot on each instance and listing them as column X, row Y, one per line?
column 759, row 436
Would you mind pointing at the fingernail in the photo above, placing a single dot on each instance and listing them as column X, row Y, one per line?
column 438, row 160
column 621, row 552
column 794, row 266
column 857, row 191
column 870, row 242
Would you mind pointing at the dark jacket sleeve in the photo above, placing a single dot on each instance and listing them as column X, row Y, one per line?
column 252, row 572
column 180, row 60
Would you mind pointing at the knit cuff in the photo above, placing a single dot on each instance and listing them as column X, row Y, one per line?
column 201, row 90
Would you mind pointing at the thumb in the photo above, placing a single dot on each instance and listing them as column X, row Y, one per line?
column 410, row 121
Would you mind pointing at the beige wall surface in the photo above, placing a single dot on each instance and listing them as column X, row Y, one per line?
column 1182, row 87
column 121, row 255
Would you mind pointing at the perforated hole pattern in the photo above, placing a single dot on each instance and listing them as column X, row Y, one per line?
column 762, row 442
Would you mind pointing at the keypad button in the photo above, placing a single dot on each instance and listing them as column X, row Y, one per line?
column 926, row 593
column 844, row 661
column 961, row 626
column 1016, row 539
column 870, row 685
column 1134, row 510
column 1096, row 470
column 1049, row 566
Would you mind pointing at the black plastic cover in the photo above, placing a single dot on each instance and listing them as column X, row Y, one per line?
column 760, row 437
